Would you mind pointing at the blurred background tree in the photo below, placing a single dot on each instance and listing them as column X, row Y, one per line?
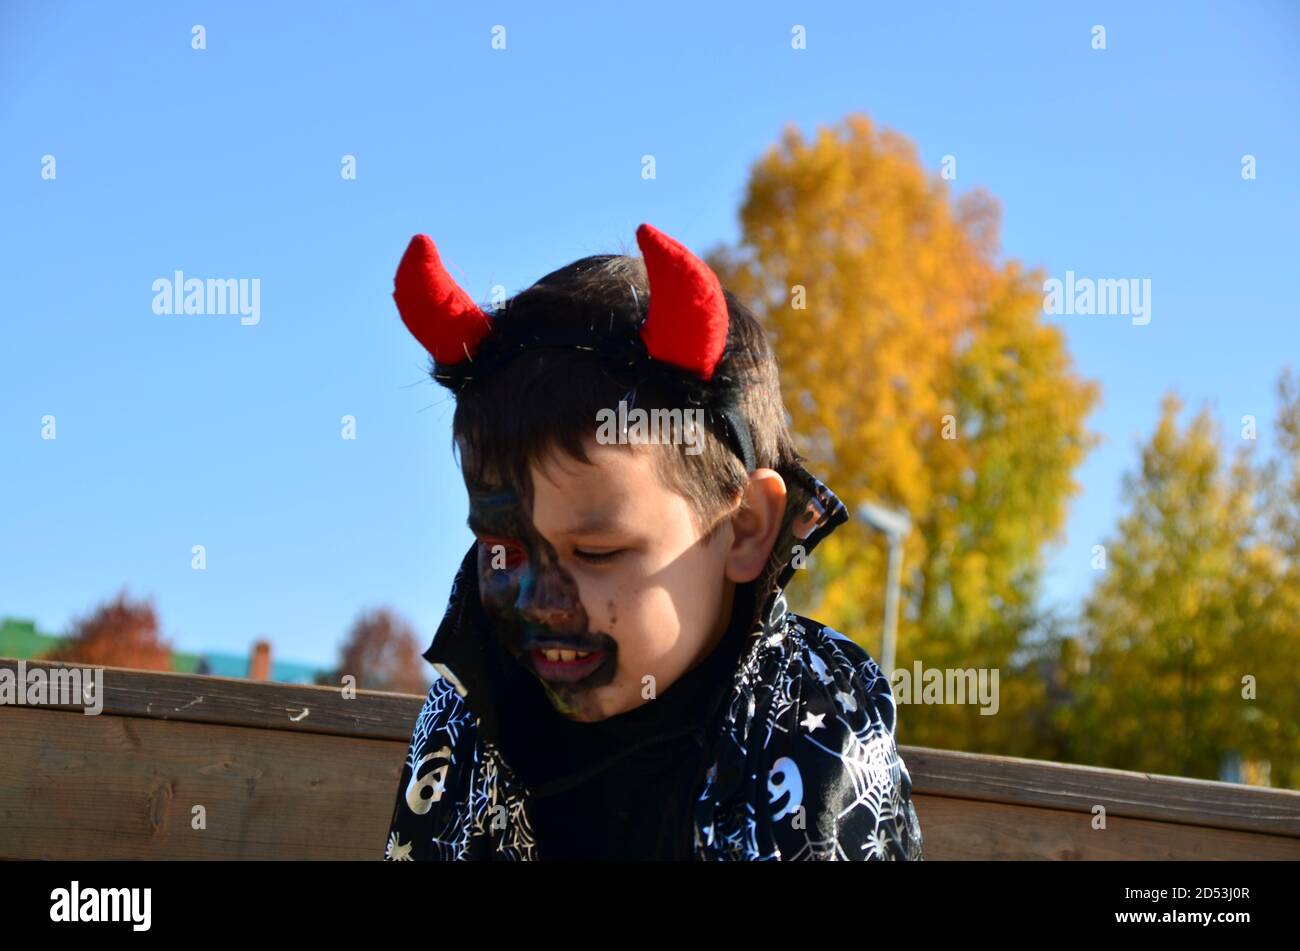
column 1275, row 734
column 118, row 633
column 1197, row 602
column 920, row 375
column 382, row 653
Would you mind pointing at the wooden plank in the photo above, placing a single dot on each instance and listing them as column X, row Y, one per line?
column 390, row 717
column 106, row 787
column 1077, row 788
column 124, row 787
column 968, row 829
column 235, row 702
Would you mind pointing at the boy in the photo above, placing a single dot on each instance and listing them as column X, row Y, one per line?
column 620, row 676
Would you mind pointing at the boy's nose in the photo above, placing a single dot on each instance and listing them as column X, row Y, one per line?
column 549, row 599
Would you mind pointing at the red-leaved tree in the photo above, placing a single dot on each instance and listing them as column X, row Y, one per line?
column 118, row 633
column 382, row 653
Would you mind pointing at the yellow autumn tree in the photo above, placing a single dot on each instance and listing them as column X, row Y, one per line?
column 920, row 375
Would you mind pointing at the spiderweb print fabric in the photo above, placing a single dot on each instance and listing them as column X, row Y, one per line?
column 473, row 804
column 821, row 776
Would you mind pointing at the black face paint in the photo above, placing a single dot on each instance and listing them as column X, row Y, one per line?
column 534, row 605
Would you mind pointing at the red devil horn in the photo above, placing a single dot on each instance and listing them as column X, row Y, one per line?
column 434, row 307
column 686, row 324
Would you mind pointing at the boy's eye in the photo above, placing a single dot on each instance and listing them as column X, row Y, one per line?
column 504, row 554
column 596, row 558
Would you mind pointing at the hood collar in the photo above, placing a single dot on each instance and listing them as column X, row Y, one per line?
column 463, row 653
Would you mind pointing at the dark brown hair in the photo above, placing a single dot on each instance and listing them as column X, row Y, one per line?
column 542, row 399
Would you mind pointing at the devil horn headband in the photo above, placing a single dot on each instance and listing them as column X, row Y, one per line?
column 686, row 325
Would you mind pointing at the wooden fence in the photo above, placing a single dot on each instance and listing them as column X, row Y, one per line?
column 285, row 772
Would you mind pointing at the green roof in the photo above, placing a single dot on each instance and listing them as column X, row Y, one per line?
column 20, row 638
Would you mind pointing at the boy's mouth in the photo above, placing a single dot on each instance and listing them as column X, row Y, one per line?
column 558, row 661
column 565, row 666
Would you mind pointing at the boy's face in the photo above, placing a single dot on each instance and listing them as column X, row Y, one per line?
column 603, row 582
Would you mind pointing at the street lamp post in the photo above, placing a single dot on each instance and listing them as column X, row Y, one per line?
column 895, row 526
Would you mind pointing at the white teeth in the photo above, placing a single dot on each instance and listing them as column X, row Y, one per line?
column 565, row 656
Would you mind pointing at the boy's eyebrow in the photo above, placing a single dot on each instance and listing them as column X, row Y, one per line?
column 593, row 523
column 491, row 500
column 477, row 526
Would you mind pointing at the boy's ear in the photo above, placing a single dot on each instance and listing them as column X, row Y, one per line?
column 755, row 525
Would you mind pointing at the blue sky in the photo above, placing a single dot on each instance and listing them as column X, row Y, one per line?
column 225, row 162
